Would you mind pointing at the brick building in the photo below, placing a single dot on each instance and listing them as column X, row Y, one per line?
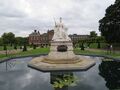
column 44, row 39
column 75, row 38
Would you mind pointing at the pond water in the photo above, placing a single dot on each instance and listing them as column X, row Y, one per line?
column 15, row 75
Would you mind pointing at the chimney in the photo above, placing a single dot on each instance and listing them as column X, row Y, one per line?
column 38, row 32
column 35, row 30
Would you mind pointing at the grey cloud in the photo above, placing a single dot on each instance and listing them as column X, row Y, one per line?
column 80, row 16
column 8, row 8
column 12, row 14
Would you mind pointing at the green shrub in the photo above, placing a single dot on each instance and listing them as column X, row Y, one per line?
column 24, row 48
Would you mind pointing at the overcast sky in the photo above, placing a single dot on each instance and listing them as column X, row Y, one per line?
column 23, row 16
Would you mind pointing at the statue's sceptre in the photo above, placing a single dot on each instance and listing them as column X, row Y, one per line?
column 55, row 22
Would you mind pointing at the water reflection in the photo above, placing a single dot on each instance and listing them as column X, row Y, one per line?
column 9, row 65
column 14, row 64
column 110, row 71
column 19, row 77
column 62, row 80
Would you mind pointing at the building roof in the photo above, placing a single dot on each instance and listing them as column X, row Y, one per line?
column 35, row 33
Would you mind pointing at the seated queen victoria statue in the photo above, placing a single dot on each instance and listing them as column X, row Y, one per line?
column 61, row 44
column 60, row 32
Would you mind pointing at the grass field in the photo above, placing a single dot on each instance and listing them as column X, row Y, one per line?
column 11, row 47
column 92, row 45
column 97, row 52
column 46, row 51
column 26, row 53
column 8, row 47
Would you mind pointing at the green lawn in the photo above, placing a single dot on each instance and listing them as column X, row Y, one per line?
column 97, row 52
column 26, row 53
column 8, row 47
column 11, row 47
column 35, row 51
column 46, row 51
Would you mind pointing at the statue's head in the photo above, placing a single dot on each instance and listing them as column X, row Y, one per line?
column 59, row 24
column 60, row 19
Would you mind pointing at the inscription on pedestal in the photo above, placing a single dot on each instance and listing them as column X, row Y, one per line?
column 62, row 48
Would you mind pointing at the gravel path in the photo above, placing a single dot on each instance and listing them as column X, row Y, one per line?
column 12, row 51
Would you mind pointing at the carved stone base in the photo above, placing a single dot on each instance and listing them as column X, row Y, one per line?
column 56, row 54
column 82, row 65
column 62, row 61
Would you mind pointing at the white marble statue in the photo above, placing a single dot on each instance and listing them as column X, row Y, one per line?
column 60, row 32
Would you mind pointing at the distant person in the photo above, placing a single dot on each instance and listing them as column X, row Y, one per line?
column 111, row 47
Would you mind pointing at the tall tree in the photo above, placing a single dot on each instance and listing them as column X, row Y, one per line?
column 5, row 38
column 1, row 42
column 93, row 34
column 110, row 24
column 11, row 37
column 8, row 38
column 21, row 40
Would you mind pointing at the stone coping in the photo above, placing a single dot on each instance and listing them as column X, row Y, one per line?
column 83, row 65
column 61, row 70
column 7, row 59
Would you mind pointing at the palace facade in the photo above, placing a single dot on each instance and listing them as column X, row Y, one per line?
column 36, row 38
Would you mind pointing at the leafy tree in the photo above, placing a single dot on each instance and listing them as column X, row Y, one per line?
column 5, row 38
column 1, row 42
column 99, row 40
column 11, row 37
column 20, row 41
column 8, row 38
column 93, row 37
column 25, row 41
column 99, row 45
column 93, row 34
column 20, row 47
column 34, row 46
column 109, row 70
column 4, row 47
column 110, row 24
column 15, row 46
column 24, row 48
column 82, row 46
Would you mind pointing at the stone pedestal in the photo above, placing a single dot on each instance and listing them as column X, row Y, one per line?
column 61, row 52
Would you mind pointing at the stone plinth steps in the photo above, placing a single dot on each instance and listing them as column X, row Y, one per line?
column 61, row 58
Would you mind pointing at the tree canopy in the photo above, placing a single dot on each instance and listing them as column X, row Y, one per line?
column 110, row 24
column 93, row 34
column 1, row 42
column 8, row 38
column 21, row 40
